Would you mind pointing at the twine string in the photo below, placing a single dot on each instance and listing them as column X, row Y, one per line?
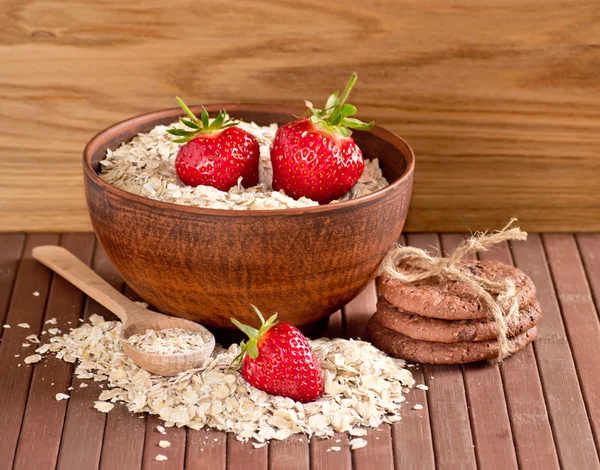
column 409, row 264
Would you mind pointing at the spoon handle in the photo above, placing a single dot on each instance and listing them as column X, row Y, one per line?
column 65, row 263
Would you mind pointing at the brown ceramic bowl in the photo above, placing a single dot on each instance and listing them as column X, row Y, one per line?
column 209, row 265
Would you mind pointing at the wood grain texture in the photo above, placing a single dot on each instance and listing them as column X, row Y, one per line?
column 448, row 412
column 485, row 394
column 579, row 316
column 565, row 386
column 529, row 419
column 589, row 249
column 566, row 406
column 499, row 99
column 80, row 406
column 378, row 453
column 12, row 248
column 39, row 445
column 206, row 446
column 16, row 376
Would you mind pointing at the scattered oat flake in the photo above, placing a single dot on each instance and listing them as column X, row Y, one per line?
column 357, row 443
column 50, row 321
column 103, row 406
column 418, row 407
column 43, row 349
column 17, row 355
column 363, row 388
column 357, row 432
column 258, row 445
column 70, row 388
column 161, row 429
column 164, row 444
column 53, row 331
column 61, row 396
column 33, row 359
column 32, row 338
column 335, row 448
column 422, row 387
column 161, row 458
column 36, row 293
column 24, row 325
column 5, row 326
column 83, row 385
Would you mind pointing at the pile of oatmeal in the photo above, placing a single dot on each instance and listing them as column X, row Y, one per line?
column 146, row 166
column 169, row 341
column 363, row 388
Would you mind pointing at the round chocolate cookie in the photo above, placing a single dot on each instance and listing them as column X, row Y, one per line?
column 452, row 300
column 428, row 352
column 452, row 331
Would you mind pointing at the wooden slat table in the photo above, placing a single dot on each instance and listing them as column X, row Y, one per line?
column 540, row 409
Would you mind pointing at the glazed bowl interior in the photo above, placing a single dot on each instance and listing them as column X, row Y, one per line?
column 209, row 265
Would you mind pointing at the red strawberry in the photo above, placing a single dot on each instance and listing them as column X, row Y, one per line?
column 215, row 154
column 315, row 156
column 278, row 360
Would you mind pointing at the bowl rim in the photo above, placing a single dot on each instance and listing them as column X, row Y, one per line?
column 381, row 132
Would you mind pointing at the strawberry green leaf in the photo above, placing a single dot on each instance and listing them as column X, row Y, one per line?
column 262, row 319
column 190, row 124
column 356, row 124
column 252, row 350
column 199, row 126
column 180, row 132
column 336, row 115
column 332, row 101
column 251, row 332
column 343, row 131
column 205, row 117
column 254, row 335
column 218, row 122
column 348, row 110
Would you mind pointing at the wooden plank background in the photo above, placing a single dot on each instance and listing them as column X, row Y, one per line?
column 499, row 98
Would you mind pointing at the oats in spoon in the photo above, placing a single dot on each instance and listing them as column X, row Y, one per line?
column 169, row 341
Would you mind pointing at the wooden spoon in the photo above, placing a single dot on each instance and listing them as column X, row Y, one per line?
column 136, row 319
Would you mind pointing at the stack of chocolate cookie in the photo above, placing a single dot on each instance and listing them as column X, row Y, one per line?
column 438, row 321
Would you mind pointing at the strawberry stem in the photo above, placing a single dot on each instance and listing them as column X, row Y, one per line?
column 199, row 126
column 336, row 116
column 348, row 89
column 185, row 108
column 251, row 346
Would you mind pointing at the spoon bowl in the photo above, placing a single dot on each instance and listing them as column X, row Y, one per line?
column 165, row 364
column 136, row 319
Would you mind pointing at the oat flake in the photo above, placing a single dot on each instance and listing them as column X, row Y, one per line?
column 146, row 166
column 169, row 341
column 363, row 388
column 33, row 359
column 357, row 444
